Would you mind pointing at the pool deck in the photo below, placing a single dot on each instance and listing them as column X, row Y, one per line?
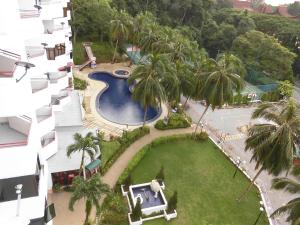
column 92, row 118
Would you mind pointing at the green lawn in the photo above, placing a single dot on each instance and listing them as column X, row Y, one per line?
column 203, row 178
column 108, row 149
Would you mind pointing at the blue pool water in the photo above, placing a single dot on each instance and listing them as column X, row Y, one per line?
column 115, row 103
column 148, row 196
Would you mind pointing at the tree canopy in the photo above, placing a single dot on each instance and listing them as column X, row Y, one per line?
column 262, row 52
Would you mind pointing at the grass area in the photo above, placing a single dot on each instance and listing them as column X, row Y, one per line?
column 103, row 51
column 108, row 149
column 202, row 175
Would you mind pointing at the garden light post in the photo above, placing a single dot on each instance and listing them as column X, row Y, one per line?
column 261, row 210
column 238, row 163
column 18, row 188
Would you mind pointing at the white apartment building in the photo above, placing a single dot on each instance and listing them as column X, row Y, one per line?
column 35, row 81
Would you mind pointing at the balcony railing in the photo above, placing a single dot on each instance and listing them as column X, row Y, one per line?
column 43, row 113
column 35, row 51
column 29, row 13
column 7, row 62
column 54, row 77
column 38, row 84
column 47, row 139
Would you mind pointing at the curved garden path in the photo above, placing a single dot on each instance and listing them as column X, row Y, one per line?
column 115, row 171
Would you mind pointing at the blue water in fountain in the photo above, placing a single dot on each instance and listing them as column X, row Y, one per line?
column 148, row 196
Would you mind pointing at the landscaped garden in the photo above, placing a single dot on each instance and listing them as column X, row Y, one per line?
column 203, row 178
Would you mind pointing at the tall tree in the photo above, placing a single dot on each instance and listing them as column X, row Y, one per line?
column 91, row 191
column 119, row 33
column 274, row 142
column 292, row 208
column 149, row 90
column 294, row 8
column 86, row 145
column 222, row 79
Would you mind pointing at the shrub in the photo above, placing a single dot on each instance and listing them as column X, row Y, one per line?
column 176, row 120
column 57, row 187
column 202, row 136
column 114, row 210
column 137, row 211
column 80, row 84
column 128, row 181
column 125, row 141
column 161, row 174
column 272, row 96
column 172, row 203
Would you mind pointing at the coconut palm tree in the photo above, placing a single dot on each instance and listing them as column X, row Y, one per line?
column 91, row 191
column 119, row 33
column 149, row 90
column 292, row 186
column 86, row 145
column 274, row 142
column 221, row 79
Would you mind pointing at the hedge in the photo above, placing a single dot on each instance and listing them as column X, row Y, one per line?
column 175, row 121
column 140, row 155
column 126, row 140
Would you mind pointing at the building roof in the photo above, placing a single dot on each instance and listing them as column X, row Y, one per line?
column 242, row 5
column 283, row 11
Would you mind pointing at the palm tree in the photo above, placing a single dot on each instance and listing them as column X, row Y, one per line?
column 222, row 78
column 292, row 186
column 91, row 191
column 274, row 142
column 85, row 145
column 119, row 32
column 149, row 91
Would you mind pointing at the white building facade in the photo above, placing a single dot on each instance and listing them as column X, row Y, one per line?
column 35, row 81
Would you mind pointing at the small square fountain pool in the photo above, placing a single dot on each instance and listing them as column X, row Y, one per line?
column 151, row 202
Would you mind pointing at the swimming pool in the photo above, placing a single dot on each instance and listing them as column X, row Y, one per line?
column 115, row 104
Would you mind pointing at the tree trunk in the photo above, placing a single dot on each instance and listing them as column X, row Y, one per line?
column 249, row 186
column 145, row 115
column 88, row 209
column 205, row 110
column 115, row 52
column 82, row 165
column 183, row 17
column 184, row 105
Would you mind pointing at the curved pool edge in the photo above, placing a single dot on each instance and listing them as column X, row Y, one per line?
column 160, row 113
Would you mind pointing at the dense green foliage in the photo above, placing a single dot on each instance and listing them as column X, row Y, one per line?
column 199, row 189
column 114, row 210
column 294, row 8
column 175, row 121
column 79, row 84
column 124, row 142
column 257, row 51
column 137, row 211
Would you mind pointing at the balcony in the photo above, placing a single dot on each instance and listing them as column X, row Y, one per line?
column 35, row 51
column 45, row 119
column 14, row 131
column 7, row 63
column 58, row 81
column 40, row 91
column 49, row 145
column 60, row 100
